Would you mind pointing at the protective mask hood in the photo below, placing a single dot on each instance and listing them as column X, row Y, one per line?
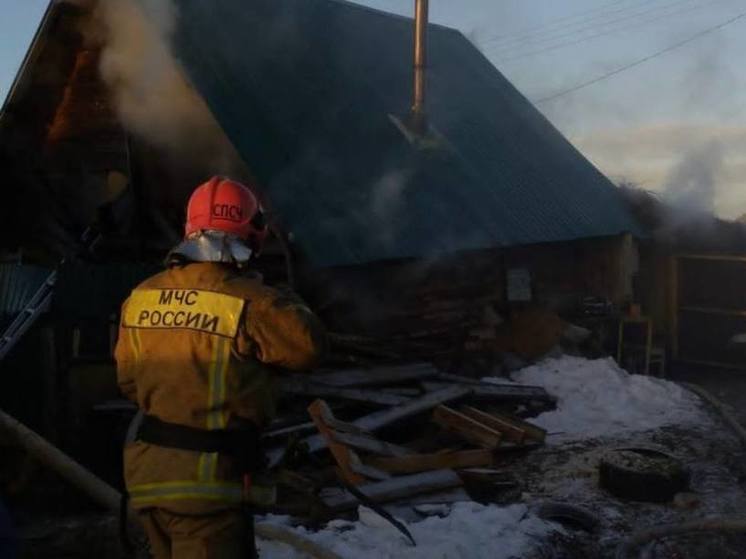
column 212, row 246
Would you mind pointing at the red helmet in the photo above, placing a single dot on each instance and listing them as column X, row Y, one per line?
column 224, row 205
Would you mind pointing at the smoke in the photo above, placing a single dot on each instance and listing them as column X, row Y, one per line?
column 691, row 186
column 387, row 202
column 152, row 97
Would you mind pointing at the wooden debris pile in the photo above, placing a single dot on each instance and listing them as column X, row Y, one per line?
column 405, row 434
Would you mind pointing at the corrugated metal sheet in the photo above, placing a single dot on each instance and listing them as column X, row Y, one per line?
column 18, row 284
column 304, row 89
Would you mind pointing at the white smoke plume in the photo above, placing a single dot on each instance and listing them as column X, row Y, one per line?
column 692, row 185
column 387, row 202
column 153, row 99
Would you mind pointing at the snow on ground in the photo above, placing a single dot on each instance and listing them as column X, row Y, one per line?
column 470, row 531
column 596, row 398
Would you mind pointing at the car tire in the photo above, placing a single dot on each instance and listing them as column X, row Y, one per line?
column 642, row 474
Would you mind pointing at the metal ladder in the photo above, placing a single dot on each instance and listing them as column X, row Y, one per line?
column 39, row 303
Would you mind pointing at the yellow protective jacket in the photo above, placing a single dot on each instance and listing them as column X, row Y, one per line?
column 200, row 345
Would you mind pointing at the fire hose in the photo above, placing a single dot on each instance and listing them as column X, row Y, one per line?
column 110, row 499
column 718, row 524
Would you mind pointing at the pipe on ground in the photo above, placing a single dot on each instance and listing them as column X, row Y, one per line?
column 109, row 498
column 720, row 408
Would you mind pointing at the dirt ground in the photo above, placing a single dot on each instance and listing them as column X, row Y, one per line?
column 728, row 386
column 569, row 474
column 711, row 452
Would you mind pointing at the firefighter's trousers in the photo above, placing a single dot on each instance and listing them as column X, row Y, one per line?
column 221, row 535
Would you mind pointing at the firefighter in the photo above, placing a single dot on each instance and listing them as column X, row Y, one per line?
column 199, row 347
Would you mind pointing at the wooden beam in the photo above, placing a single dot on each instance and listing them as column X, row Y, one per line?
column 401, row 391
column 341, row 453
column 449, row 377
column 382, row 418
column 313, row 389
column 374, row 446
column 290, row 430
column 358, row 467
column 513, row 428
column 427, row 462
column 496, row 392
column 466, row 428
column 338, row 425
column 377, row 376
column 395, row 488
column 509, row 430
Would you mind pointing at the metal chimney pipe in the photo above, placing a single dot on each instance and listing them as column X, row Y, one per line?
column 422, row 8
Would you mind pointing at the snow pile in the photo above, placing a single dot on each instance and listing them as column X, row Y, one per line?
column 470, row 531
column 596, row 398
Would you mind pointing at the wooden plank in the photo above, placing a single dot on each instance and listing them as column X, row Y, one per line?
column 402, row 391
column 426, row 462
column 533, row 432
column 449, row 377
column 382, row 418
column 395, row 488
column 318, row 390
column 290, row 430
column 358, row 467
column 374, row 446
column 377, row 376
column 495, row 392
column 509, row 430
column 466, row 428
column 341, row 453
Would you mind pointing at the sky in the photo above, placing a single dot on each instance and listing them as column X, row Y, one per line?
column 17, row 27
column 676, row 120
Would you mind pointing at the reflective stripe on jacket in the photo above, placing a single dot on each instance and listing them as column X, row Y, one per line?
column 199, row 345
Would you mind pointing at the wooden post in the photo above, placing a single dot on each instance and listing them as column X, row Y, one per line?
column 52, row 457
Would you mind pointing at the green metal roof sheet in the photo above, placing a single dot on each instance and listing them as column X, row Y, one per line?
column 304, row 89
